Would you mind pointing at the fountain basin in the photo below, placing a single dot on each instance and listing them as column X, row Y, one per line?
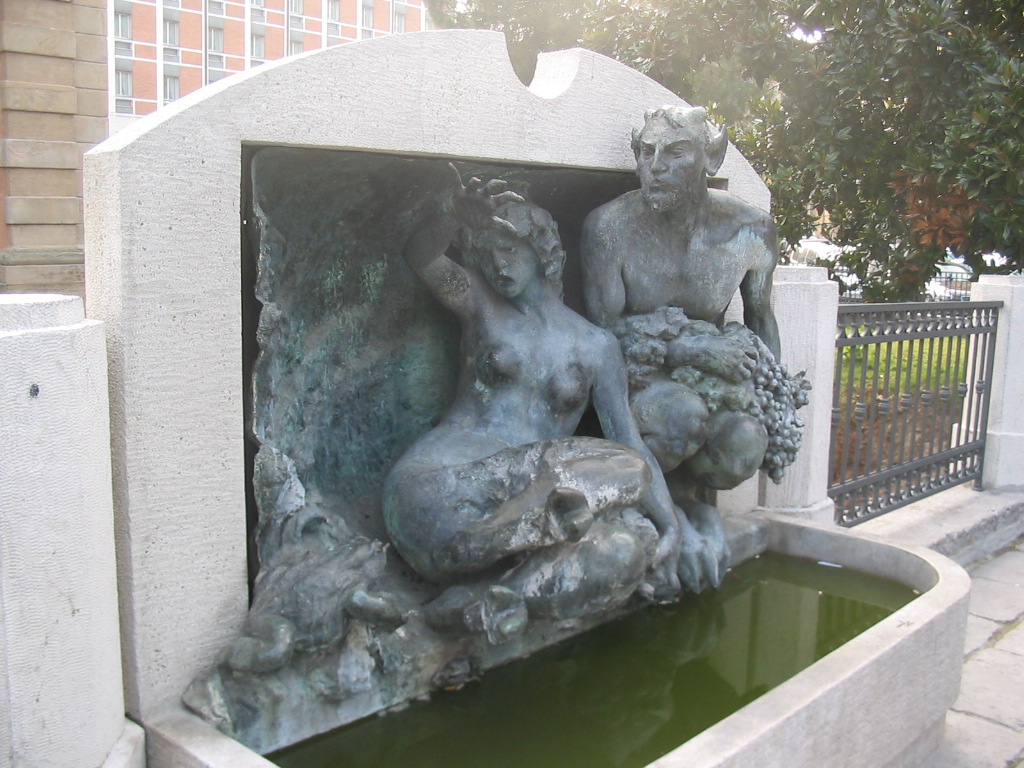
column 878, row 700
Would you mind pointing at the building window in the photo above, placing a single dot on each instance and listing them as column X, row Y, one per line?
column 215, row 7
column 334, row 10
column 123, row 83
column 170, row 32
column 259, row 48
column 368, row 15
column 216, row 39
column 295, row 6
column 399, row 20
column 294, row 46
column 257, row 3
column 123, row 25
column 172, row 87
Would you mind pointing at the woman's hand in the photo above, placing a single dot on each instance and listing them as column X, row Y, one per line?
column 470, row 206
column 474, row 203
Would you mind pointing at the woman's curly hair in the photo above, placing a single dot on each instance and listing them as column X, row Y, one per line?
column 528, row 222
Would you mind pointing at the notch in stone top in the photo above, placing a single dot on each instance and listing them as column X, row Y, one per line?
column 555, row 73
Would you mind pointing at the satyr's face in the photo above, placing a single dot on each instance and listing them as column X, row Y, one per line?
column 510, row 265
column 670, row 164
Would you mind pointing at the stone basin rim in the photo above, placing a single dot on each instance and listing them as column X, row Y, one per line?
column 776, row 728
column 762, row 733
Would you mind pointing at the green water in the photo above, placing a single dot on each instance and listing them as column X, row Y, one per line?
column 626, row 693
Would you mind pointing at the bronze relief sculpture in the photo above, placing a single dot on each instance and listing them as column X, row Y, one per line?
column 428, row 504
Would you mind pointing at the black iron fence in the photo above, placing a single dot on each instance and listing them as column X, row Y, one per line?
column 910, row 402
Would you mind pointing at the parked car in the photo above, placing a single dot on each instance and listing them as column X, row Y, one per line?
column 952, row 283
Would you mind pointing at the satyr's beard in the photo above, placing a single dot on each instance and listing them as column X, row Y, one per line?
column 668, row 197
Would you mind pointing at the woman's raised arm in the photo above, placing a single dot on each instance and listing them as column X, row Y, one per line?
column 470, row 206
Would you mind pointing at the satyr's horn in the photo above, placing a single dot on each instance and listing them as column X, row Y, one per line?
column 718, row 143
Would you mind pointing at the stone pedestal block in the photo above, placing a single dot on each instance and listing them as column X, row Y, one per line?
column 39, row 41
column 806, row 302
column 60, row 661
column 27, row 153
column 1004, row 454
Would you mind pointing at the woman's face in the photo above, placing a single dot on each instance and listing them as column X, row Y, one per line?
column 511, row 265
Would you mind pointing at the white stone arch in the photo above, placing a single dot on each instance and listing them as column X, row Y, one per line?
column 162, row 216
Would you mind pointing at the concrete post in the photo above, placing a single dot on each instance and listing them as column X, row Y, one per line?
column 61, row 702
column 805, row 303
column 1004, row 452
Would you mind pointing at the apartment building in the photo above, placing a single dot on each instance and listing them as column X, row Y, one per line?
column 163, row 49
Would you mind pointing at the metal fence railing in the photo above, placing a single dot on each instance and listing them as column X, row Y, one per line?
column 910, row 402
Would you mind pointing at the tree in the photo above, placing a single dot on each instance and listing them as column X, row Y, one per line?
column 895, row 125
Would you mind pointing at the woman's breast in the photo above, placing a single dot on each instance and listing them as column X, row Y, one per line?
column 500, row 364
column 567, row 388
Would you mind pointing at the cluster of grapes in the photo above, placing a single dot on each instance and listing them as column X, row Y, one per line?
column 771, row 395
column 644, row 341
column 777, row 396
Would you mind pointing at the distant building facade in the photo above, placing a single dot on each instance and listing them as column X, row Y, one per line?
column 73, row 72
column 53, row 107
column 162, row 50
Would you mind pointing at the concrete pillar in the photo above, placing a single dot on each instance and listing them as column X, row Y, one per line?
column 805, row 303
column 1004, row 452
column 61, row 702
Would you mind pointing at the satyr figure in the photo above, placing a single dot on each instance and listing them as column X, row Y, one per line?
column 500, row 501
column 660, row 267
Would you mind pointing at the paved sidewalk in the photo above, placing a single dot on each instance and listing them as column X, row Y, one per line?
column 986, row 725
